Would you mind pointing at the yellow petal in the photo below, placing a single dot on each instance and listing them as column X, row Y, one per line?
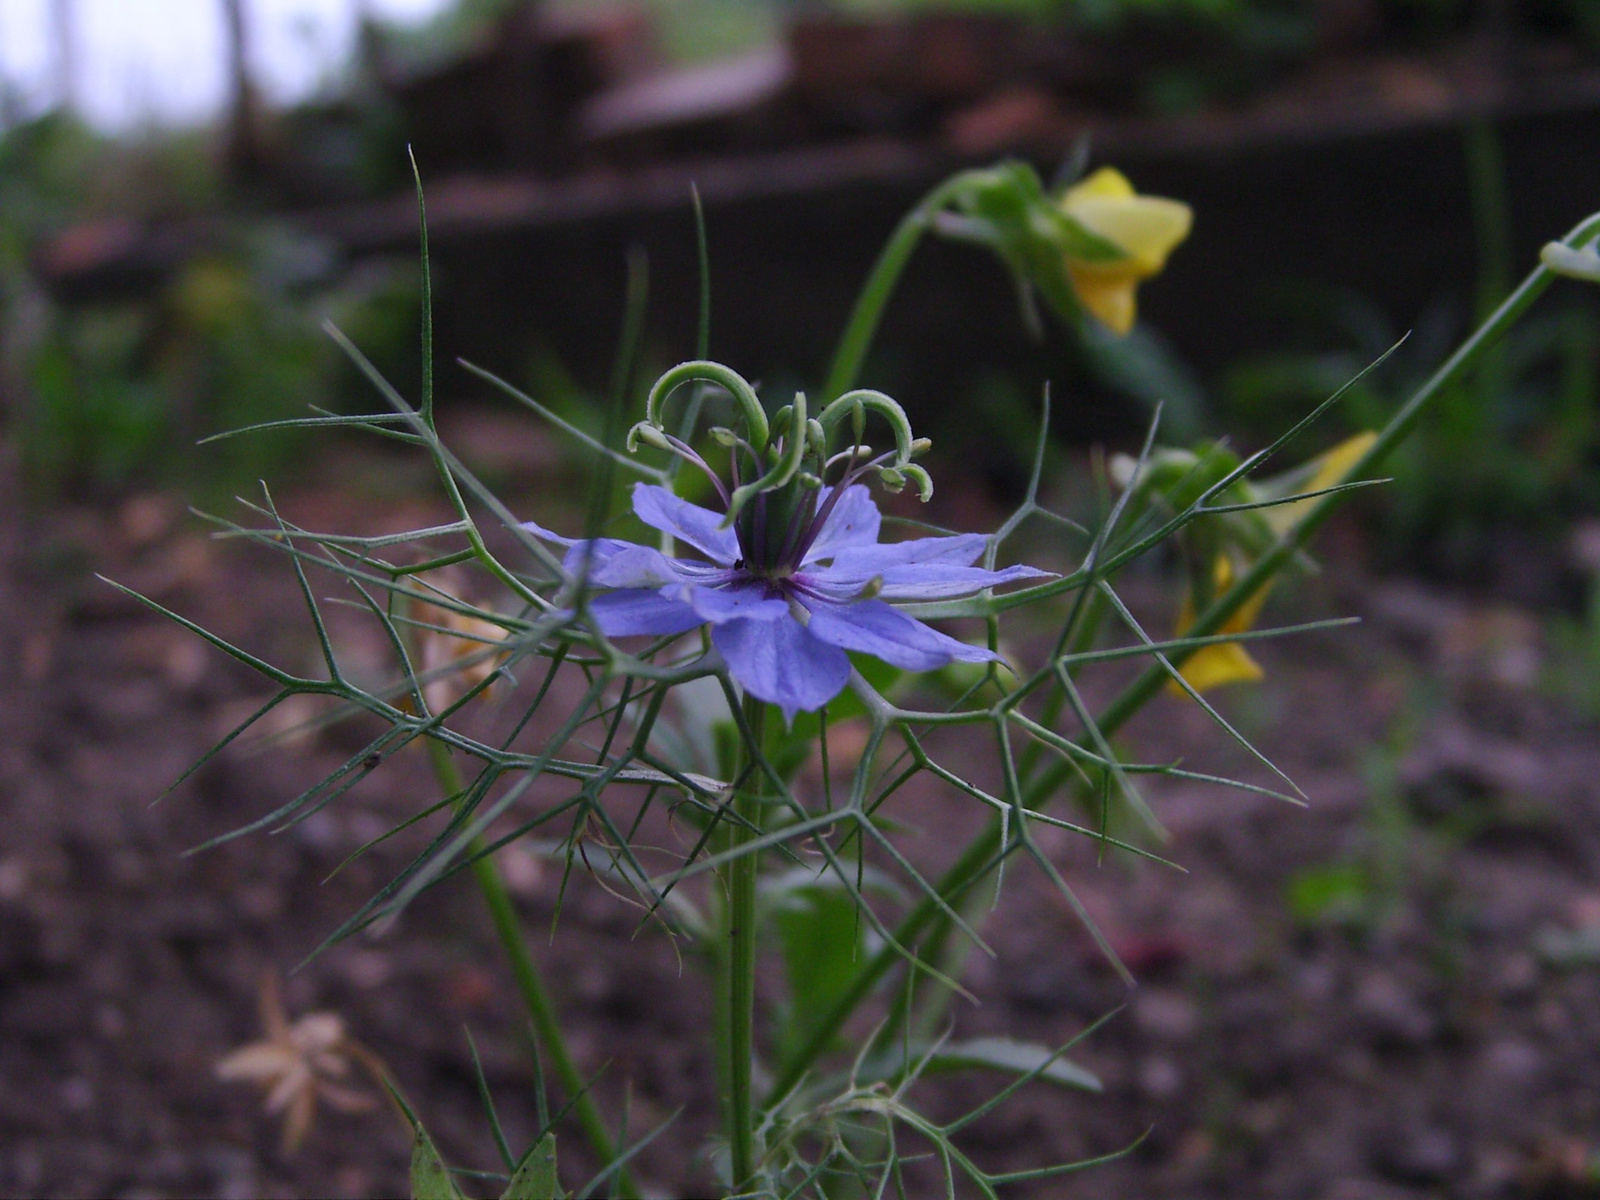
column 1106, row 183
column 1229, row 662
column 1213, row 666
column 1107, row 294
column 1332, row 467
column 1147, row 228
column 1225, row 662
column 1245, row 617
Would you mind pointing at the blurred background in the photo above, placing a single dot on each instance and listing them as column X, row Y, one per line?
column 1393, row 994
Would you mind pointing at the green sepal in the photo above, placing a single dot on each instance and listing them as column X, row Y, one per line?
column 1182, row 477
column 1008, row 209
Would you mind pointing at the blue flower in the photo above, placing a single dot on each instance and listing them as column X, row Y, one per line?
column 786, row 593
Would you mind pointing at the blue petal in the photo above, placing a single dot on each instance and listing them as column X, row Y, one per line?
column 747, row 601
column 623, row 565
column 931, row 581
column 591, row 555
column 854, row 521
column 872, row 627
column 960, row 550
column 908, row 583
column 781, row 663
column 539, row 531
column 658, row 508
column 612, row 562
column 634, row 611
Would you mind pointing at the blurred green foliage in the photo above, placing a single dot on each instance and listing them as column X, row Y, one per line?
column 105, row 392
column 687, row 30
column 1573, row 667
column 1513, row 449
column 54, row 170
column 120, row 391
column 98, row 394
column 450, row 31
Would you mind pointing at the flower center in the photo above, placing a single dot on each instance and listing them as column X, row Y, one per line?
column 773, row 531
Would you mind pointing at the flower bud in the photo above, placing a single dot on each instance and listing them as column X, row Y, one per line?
column 1574, row 263
column 649, row 435
column 817, row 437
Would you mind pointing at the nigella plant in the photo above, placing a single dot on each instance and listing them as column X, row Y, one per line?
column 788, row 597
column 794, row 575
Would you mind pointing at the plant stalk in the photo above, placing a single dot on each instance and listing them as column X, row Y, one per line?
column 738, row 963
column 537, row 1002
column 981, row 851
column 880, row 285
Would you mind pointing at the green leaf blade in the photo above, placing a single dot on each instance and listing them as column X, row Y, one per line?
column 430, row 1178
column 536, row 1176
column 1017, row 1058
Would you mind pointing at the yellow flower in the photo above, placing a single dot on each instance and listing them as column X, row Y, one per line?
column 1229, row 662
column 1225, row 662
column 1326, row 471
column 1146, row 228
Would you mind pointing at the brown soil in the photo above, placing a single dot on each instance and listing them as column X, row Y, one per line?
column 1440, row 1038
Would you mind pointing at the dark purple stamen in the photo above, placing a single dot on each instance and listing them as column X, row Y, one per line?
column 688, row 453
column 806, row 519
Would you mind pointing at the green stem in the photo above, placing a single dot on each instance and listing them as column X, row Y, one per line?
column 541, row 1011
column 880, row 285
column 982, row 850
column 737, row 982
column 1399, row 427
